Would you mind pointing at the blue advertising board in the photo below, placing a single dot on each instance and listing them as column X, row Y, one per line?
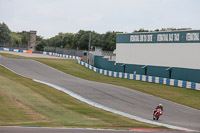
column 189, row 36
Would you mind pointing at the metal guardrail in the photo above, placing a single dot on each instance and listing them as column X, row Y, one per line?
column 74, row 52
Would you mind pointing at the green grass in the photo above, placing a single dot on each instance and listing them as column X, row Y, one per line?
column 179, row 95
column 24, row 102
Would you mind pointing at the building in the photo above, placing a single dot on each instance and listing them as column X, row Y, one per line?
column 32, row 43
column 171, row 49
column 171, row 54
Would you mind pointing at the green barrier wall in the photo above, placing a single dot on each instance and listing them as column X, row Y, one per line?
column 103, row 63
column 130, row 68
column 158, row 71
column 186, row 74
column 192, row 75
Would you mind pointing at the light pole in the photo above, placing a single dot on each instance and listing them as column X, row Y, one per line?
column 89, row 41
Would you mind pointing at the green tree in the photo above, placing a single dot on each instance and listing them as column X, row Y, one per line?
column 25, row 37
column 141, row 30
column 109, row 41
column 82, row 39
column 16, row 39
column 40, row 46
column 5, row 34
column 69, row 41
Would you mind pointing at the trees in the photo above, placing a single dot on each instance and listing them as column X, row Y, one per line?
column 109, row 41
column 40, row 46
column 82, row 39
column 5, row 34
column 141, row 30
column 16, row 39
column 25, row 37
column 78, row 40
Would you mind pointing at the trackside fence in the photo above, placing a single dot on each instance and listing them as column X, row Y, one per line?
column 15, row 50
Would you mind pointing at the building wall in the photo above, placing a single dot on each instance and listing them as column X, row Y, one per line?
column 163, row 54
column 169, row 49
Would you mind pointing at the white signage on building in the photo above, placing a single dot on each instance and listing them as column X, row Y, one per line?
column 141, row 38
column 168, row 37
column 192, row 37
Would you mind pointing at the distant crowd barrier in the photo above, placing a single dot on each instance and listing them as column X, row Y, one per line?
column 60, row 55
column 15, row 50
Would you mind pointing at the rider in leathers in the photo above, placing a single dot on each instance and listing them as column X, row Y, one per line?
column 158, row 107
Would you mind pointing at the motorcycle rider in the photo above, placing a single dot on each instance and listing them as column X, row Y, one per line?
column 158, row 107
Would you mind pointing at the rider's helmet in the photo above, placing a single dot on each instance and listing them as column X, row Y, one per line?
column 160, row 105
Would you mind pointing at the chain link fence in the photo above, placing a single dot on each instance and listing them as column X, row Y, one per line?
column 87, row 56
column 73, row 52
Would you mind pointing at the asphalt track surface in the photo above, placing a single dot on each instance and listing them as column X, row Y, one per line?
column 116, row 97
column 71, row 130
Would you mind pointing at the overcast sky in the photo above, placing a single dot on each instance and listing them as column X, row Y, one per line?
column 49, row 17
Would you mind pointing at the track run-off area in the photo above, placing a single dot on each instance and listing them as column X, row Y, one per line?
column 114, row 97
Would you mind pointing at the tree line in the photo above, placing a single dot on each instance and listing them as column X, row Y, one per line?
column 14, row 39
column 80, row 40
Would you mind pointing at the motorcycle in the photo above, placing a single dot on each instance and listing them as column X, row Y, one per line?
column 157, row 114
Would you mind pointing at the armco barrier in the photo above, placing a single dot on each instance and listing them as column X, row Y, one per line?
column 15, row 50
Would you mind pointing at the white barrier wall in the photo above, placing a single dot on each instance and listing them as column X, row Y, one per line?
column 184, row 55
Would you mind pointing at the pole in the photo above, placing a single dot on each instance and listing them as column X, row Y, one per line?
column 89, row 41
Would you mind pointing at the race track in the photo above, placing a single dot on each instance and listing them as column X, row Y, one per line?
column 13, row 129
column 116, row 97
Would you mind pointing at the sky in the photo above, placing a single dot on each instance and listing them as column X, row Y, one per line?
column 49, row 17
